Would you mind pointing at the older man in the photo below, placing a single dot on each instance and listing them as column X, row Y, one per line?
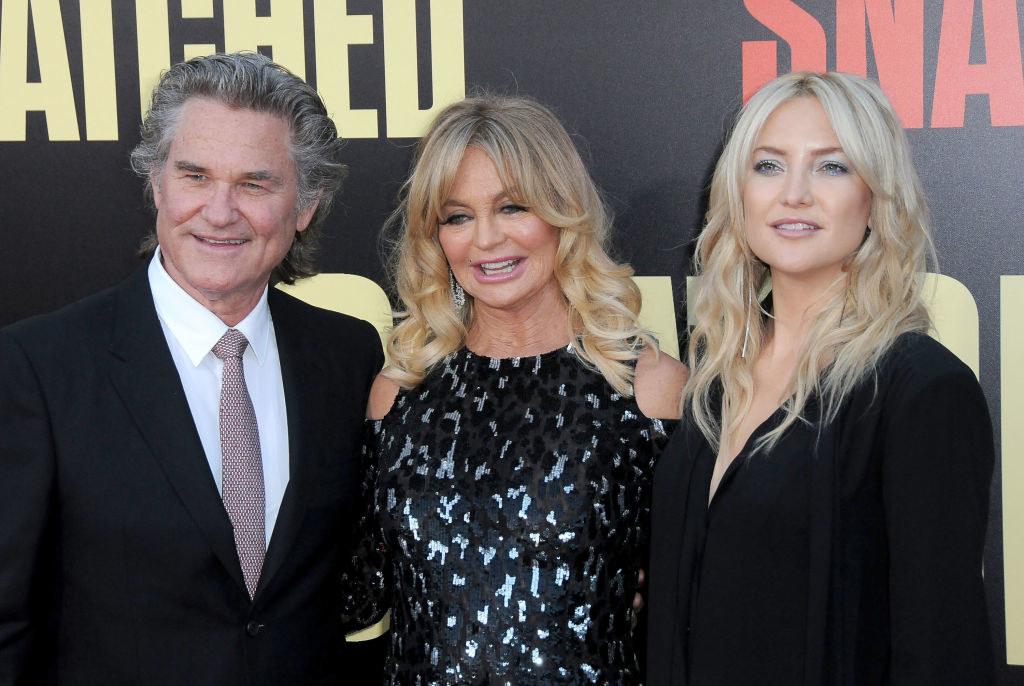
column 179, row 454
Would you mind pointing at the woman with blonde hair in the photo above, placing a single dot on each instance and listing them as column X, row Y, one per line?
column 516, row 428
column 820, row 516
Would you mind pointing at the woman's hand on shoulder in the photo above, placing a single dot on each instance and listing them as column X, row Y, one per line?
column 382, row 396
column 658, row 384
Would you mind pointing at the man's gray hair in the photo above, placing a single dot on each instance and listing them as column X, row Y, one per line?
column 251, row 81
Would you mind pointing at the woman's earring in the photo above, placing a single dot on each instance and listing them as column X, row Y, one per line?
column 458, row 295
column 746, row 329
column 746, row 336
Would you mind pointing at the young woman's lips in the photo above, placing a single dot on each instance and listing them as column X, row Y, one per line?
column 501, row 269
column 795, row 228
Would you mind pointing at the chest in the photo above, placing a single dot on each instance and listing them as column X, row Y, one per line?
column 512, row 461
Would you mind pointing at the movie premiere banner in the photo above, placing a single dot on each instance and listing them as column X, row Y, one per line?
column 648, row 89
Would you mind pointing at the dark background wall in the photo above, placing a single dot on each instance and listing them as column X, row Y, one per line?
column 648, row 88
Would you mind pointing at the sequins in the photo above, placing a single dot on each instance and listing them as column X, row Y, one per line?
column 513, row 510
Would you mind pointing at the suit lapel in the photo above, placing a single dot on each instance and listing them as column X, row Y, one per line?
column 143, row 372
column 304, row 385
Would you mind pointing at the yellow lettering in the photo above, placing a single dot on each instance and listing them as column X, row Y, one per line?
column 363, row 298
column 197, row 9
column 447, row 63
column 154, row 45
column 348, row 293
column 371, row 632
column 98, row 70
column 658, row 314
column 954, row 317
column 335, row 30
column 952, row 308
column 282, row 31
column 190, row 50
column 1011, row 344
column 53, row 94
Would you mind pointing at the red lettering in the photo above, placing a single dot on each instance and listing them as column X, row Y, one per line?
column 897, row 35
column 760, row 65
column 1000, row 77
column 801, row 31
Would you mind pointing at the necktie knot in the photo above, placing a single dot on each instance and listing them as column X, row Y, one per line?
column 232, row 344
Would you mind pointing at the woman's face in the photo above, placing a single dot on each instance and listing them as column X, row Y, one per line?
column 805, row 208
column 501, row 253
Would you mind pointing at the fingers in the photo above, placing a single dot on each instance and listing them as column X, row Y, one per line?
column 638, row 600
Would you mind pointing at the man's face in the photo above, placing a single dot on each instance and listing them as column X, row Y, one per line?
column 226, row 205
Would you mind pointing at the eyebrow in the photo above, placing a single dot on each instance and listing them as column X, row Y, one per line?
column 257, row 175
column 182, row 165
column 816, row 151
column 455, row 202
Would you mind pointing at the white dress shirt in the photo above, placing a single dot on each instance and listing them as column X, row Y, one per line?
column 191, row 331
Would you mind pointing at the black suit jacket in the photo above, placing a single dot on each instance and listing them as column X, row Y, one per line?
column 117, row 562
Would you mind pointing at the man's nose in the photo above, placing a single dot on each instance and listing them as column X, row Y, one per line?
column 220, row 208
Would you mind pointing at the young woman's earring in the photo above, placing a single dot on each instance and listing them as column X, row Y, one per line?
column 746, row 337
column 458, row 295
column 746, row 328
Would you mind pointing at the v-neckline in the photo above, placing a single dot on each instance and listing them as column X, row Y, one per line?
column 711, row 499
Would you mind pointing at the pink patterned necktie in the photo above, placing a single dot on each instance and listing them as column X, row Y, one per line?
column 242, row 475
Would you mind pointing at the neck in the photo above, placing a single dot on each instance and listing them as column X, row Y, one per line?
column 519, row 332
column 795, row 303
column 229, row 308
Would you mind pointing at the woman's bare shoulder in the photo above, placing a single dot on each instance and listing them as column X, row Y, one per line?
column 658, row 384
column 382, row 396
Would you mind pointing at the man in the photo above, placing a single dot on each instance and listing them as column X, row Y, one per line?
column 179, row 454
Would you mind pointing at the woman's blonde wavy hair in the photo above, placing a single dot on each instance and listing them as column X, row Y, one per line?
column 542, row 171
column 881, row 296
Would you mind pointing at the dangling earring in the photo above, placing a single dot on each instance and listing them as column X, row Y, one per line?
column 746, row 328
column 458, row 295
column 746, row 336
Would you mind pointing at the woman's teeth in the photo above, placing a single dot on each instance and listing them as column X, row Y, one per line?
column 503, row 267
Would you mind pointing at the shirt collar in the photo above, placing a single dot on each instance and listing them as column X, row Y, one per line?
column 197, row 329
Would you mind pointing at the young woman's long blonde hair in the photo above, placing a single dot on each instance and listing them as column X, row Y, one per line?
column 881, row 296
column 541, row 170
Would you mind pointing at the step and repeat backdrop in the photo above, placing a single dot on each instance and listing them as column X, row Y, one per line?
column 648, row 88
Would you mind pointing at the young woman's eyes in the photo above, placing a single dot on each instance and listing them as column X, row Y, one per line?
column 834, row 168
column 767, row 167
column 831, row 167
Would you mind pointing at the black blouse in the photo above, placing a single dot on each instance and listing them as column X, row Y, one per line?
column 848, row 554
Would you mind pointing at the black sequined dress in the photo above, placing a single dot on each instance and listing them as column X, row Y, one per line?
column 511, row 497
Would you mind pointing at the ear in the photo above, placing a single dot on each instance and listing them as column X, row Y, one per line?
column 304, row 216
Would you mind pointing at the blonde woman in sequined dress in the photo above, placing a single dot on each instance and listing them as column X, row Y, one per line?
column 515, row 432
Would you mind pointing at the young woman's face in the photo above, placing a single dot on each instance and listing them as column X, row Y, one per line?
column 805, row 208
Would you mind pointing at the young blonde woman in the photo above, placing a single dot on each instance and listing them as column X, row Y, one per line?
column 517, row 426
column 820, row 516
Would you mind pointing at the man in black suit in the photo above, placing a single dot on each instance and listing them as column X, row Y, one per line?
column 167, row 517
